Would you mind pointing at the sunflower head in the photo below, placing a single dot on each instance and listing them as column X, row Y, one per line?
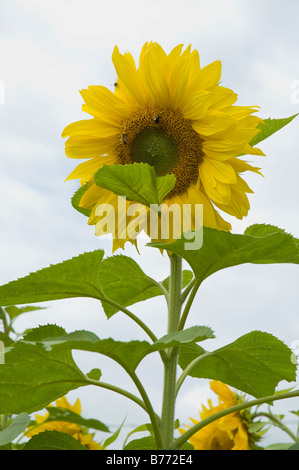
column 232, row 431
column 77, row 431
column 172, row 114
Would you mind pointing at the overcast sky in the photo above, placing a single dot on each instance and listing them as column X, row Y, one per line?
column 49, row 50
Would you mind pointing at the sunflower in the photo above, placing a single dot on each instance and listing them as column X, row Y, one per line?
column 227, row 433
column 74, row 429
column 173, row 115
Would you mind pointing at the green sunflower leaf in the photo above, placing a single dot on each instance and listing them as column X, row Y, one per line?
column 14, row 311
column 293, row 446
column 144, row 443
column 260, row 244
column 124, row 282
column 16, row 427
column 63, row 414
column 48, row 350
column 53, row 440
column 5, row 340
column 137, row 182
column 282, row 446
column 94, row 374
column 127, row 354
column 76, row 201
column 269, row 127
column 255, row 363
column 76, row 277
column 33, row 377
column 118, row 278
column 178, row 338
column 147, row 427
column 113, row 437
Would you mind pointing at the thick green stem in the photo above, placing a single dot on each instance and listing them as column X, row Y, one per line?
column 170, row 364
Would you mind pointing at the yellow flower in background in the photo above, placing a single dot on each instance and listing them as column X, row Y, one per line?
column 73, row 429
column 227, row 433
column 172, row 114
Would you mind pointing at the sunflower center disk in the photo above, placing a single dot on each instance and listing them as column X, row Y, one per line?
column 165, row 140
column 155, row 147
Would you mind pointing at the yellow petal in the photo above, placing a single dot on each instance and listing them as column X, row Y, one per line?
column 146, row 46
column 239, row 204
column 212, row 123
column 211, row 218
column 240, row 112
column 179, row 79
column 104, row 197
column 241, row 439
column 240, row 166
column 220, row 149
column 196, row 105
column 128, row 75
column 223, row 97
column 242, row 185
column 91, row 127
column 222, row 171
column 219, row 192
column 195, row 66
column 102, row 103
column 91, row 196
column 86, row 170
column 223, row 391
column 208, row 77
column 175, row 54
column 253, row 151
column 244, row 135
column 154, row 73
column 81, row 147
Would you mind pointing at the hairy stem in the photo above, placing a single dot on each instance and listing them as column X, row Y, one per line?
column 170, row 364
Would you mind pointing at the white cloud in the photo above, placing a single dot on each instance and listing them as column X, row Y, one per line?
column 94, row 24
column 24, row 63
